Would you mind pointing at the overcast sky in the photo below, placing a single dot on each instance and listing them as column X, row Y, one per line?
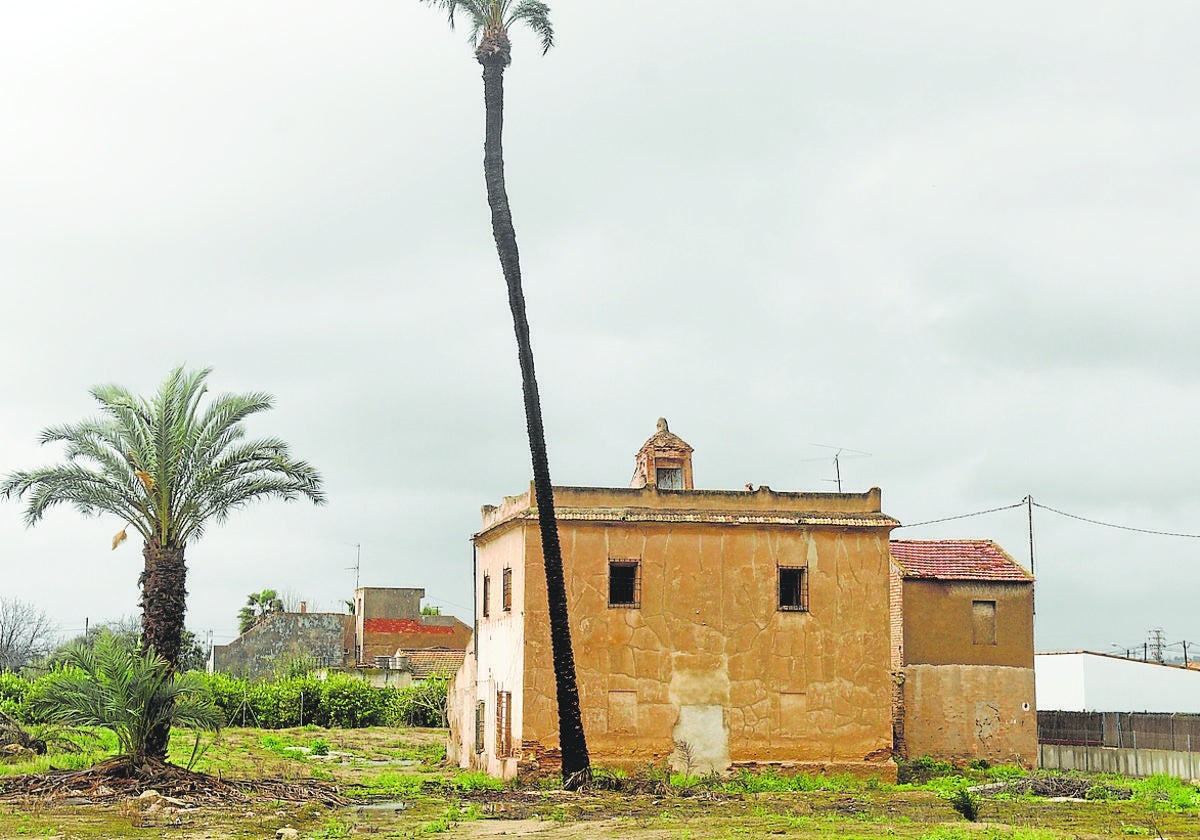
column 961, row 237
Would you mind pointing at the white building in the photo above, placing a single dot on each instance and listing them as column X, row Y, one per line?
column 1081, row 681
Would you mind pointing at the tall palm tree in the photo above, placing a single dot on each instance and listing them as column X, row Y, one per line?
column 490, row 22
column 167, row 467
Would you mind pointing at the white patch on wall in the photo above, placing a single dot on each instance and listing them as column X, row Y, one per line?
column 701, row 739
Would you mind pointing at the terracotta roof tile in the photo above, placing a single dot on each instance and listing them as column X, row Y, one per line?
column 956, row 560
column 426, row 662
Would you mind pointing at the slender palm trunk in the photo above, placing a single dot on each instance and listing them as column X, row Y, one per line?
column 576, row 767
column 164, row 599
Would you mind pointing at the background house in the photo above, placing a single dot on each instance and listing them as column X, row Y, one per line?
column 962, row 652
column 387, row 632
column 711, row 628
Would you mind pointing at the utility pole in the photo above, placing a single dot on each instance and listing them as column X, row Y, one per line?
column 1029, row 512
column 1156, row 644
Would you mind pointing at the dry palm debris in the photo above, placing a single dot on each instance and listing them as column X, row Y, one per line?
column 117, row 779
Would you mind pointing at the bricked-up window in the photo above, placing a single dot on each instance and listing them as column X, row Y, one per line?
column 793, row 588
column 480, row 722
column 983, row 622
column 487, row 595
column 624, row 583
column 504, row 724
column 506, row 594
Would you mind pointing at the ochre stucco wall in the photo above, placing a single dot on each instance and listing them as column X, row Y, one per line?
column 965, row 712
column 938, row 623
column 708, row 659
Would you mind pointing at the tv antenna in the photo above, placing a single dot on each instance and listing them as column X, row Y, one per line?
column 839, row 452
column 357, row 567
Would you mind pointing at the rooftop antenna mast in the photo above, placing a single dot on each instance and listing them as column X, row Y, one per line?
column 357, row 567
column 839, row 452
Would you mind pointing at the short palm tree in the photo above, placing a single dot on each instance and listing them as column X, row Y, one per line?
column 134, row 693
column 167, row 467
column 490, row 23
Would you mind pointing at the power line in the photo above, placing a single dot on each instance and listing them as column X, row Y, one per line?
column 1119, row 527
column 963, row 516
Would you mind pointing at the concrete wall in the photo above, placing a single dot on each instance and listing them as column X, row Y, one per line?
column 1127, row 762
column 961, row 713
column 256, row 653
column 1096, row 682
column 939, row 624
column 708, row 659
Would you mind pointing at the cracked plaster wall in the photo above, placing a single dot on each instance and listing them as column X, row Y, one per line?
column 966, row 712
column 798, row 688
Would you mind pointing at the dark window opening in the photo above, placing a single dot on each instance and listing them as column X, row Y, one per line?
column 624, row 583
column 487, row 595
column 793, row 589
column 506, row 593
column 669, row 478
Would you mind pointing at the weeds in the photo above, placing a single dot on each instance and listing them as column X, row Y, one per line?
column 966, row 803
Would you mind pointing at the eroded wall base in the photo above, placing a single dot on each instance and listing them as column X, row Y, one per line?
column 962, row 713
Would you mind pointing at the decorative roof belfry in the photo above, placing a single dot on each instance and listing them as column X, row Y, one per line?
column 665, row 461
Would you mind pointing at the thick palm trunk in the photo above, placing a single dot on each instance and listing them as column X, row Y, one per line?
column 576, row 767
column 164, row 597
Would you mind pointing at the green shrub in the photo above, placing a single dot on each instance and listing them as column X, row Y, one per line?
column 422, row 704
column 966, row 802
column 319, row 746
column 350, row 703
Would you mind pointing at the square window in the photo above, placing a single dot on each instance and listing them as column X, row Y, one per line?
column 506, row 593
column 793, row 588
column 983, row 622
column 624, row 583
column 487, row 595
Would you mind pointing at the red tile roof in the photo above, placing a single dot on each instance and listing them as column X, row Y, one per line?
column 433, row 662
column 404, row 625
column 956, row 560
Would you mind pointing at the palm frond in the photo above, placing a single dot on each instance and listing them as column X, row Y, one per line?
column 127, row 691
column 536, row 15
column 155, row 463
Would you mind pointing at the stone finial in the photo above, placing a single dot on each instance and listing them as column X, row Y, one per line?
column 662, row 424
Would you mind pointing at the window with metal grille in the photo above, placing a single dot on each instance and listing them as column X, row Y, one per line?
column 487, row 595
column 624, row 583
column 506, row 593
column 480, row 723
column 503, row 724
column 793, row 588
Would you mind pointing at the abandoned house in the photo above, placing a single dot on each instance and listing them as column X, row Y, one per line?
column 962, row 652
column 387, row 632
column 711, row 628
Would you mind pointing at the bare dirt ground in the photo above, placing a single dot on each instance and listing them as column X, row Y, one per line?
column 392, row 783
